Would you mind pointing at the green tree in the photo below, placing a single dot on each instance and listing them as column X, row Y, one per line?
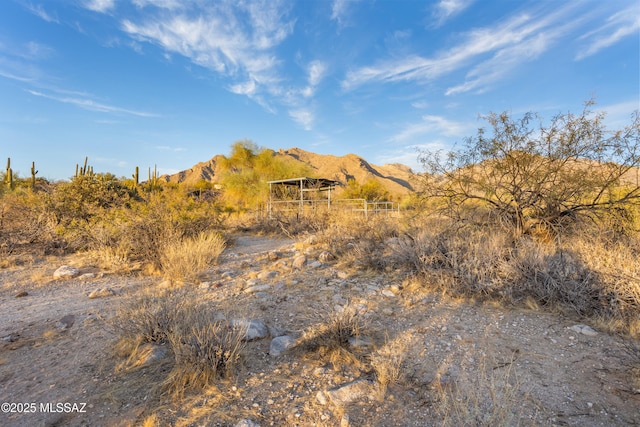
column 524, row 176
column 371, row 190
column 245, row 173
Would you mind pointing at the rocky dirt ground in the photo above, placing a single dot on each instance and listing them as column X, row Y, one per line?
column 463, row 362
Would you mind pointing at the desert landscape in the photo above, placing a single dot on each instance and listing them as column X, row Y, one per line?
column 184, row 301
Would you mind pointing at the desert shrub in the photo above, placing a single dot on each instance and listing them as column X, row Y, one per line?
column 25, row 223
column 358, row 241
column 370, row 190
column 149, row 317
column 140, row 231
column 205, row 349
column 520, row 176
column 189, row 257
column 581, row 272
column 329, row 337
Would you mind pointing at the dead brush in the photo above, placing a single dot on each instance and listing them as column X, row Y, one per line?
column 483, row 396
column 330, row 338
column 205, row 349
column 190, row 257
column 386, row 363
column 149, row 317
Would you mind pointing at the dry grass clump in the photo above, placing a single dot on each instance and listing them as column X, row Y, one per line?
column 361, row 242
column 330, row 337
column 149, row 317
column 485, row 397
column 189, row 257
column 205, row 350
column 386, row 363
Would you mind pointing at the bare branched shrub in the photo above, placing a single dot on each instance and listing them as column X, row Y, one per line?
column 519, row 174
column 205, row 349
column 189, row 257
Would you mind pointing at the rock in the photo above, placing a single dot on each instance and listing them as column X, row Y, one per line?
column 281, row 344
column 342, row 275
column 326, row 256
column 101, row 293
column 315, row 264
column 254, row 329
column 350, row 392
column 10, row 338
column 66, row 322
column 246, row 423
column 299, row 261
column 387, row 311
column 274, row 256
column 66, row 272
column 584, row 330
column 388, row 293
column 87, row 276
column 22, row 294
column 344, row 421
column 256, row 288
column 149, row 353
column 264, row 275
column 321, row 398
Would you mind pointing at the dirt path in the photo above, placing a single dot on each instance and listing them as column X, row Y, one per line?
column 463, row 362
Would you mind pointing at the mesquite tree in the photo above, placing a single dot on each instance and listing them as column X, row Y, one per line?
column 523, row 174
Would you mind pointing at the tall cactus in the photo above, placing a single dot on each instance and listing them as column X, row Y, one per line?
column 9, row 174
column 33, row 175
column 136, row 177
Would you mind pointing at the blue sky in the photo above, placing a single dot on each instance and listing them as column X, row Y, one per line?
column 174, row 82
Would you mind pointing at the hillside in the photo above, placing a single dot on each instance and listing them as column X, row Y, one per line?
column 396, row 178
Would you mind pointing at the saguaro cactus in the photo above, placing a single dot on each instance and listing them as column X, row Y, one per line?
column 33, row 175
column 9, row 174
column 136, row 176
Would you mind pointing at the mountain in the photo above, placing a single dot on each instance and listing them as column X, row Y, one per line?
column 396, row 178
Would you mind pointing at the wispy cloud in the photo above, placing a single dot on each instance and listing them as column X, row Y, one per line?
column 101, row 6
column 163, row 4
column 446, row 9
column 39, row 11
column 619, row 26
column 169, row 148
column 513, row 41
column 304, row 117
column 91, row 105
column 235, row 40
column 432, row 125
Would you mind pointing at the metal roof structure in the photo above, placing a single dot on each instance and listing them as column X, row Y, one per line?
column 307, row 183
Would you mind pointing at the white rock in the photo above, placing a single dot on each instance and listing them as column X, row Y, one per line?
column 101, row 293
column 584, row 330
column 246, row 423
column 66, row 272
column 281, row 344
column 350, row 392
column 321, row 398
column 388, row 293
column 299, row 261
column 255, row 329
column 315, row 264
column 256, row 288
column 267, row 274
